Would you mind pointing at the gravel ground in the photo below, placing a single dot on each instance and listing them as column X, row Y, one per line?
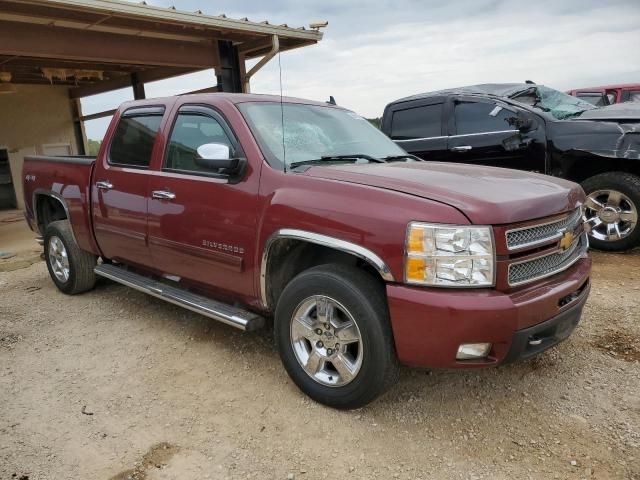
column 114, row 384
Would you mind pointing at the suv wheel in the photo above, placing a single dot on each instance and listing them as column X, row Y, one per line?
column 611, row 210
column 333, row 334
column 71, row 268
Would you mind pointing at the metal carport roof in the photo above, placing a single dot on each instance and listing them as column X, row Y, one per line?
column 100, row 45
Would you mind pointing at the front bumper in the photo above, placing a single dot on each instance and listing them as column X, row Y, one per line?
column 430, row 324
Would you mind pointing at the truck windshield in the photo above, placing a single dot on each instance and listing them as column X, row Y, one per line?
column 313, row 132
column 558, row 104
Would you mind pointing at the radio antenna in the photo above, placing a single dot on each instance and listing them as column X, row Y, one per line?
column 284, row 149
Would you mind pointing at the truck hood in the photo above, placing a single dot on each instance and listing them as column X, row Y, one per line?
column 486, row 195
column 623, row 112
column 603, row 135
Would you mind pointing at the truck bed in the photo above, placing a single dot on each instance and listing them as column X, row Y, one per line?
column 63, row 179
column 74, row 159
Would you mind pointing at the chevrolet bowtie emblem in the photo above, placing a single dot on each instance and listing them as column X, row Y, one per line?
column 566, row 240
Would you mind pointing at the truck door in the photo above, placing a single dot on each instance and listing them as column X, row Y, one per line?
column 119, row 191
column 417, row 127
column 202, row 223
column 481, row 133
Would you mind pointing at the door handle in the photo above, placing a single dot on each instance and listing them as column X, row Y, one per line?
column 462, row 148
column 163, row 195
column 104, row 185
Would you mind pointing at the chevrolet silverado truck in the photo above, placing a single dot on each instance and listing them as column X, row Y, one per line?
column 536, row 128
column 251, row 209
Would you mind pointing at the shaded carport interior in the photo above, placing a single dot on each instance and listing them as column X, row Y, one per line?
column 70, row 49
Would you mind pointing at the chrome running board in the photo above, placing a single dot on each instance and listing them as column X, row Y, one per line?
column 236, row 317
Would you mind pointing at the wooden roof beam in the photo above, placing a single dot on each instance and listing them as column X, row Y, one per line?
column 82, row 45
column 125, row 81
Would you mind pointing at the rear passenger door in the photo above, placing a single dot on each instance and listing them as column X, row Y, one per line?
column 481, row 133
column 418, row 128
column 119, row 192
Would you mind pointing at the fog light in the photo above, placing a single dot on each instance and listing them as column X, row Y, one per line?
column 470, row 351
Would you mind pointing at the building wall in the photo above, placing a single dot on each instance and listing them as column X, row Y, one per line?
column 36, row 119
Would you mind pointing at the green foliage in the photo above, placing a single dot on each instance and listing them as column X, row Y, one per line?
column 376, row 122
column 93, row 146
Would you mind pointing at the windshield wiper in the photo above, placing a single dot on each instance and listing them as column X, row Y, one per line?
column 393, row 158
column 356, row 156
column 336, row 158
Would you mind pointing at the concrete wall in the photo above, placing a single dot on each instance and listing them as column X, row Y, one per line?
column 30, row 119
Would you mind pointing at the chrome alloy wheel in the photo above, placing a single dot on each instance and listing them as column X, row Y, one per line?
column 326, row 341
column 610, row 214
column 58, row 259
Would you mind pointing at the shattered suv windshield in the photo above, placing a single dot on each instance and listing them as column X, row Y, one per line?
column 558, row 104
column 315, row 134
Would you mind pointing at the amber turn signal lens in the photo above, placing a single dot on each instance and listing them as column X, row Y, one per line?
column 416, row 268
column 416, row 240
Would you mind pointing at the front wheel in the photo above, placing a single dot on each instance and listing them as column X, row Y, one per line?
column 334, row 337
column 611, row 210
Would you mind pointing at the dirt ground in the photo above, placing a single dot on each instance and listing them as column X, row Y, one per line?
column 114, row 384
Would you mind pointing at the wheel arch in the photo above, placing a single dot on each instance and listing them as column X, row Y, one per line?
column 49, row 206
column 587, row 166
column 308, row 249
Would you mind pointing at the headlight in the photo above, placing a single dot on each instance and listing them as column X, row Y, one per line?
column 449, row 255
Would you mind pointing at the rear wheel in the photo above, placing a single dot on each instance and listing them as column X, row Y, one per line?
column 334, row 337
column 71, row 268
column 611, row 210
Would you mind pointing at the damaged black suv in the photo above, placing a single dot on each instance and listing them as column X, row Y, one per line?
column 533, row 127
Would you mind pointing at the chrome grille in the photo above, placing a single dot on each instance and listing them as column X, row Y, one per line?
column 536, row 234
column 547, row 265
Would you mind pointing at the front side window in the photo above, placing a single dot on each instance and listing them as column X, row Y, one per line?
column 190, row 131
column 417, row 122
column 291, row 132
column 133, row 140
column 477, row 117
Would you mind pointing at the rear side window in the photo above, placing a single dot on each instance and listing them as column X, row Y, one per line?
column 473, row 117
column 133, row 141
column 417, row 122
column 191, row 131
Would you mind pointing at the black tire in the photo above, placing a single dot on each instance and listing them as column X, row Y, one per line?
column 81, row 263
column 627, row 184
column 365, row 300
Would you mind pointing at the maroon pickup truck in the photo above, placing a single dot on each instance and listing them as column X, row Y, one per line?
column 244, row 208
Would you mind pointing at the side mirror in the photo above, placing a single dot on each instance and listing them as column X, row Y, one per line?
column 523, row 122
column 216, row 156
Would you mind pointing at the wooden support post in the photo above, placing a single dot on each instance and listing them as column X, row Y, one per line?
column 78, row 127
column 138, row 87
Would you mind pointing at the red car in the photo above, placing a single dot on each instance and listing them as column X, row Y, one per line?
column 247, row 208
column 608, row 95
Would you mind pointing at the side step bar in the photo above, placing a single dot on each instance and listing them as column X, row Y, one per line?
column 236, row 317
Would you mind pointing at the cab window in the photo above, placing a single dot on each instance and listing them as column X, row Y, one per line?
column 190, row 131
column 594, row 98
column 133, row 140
column 417, row 122
column 477, row 117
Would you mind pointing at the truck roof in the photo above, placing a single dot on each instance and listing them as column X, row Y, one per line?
column 219, row 97
column 495, row 89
